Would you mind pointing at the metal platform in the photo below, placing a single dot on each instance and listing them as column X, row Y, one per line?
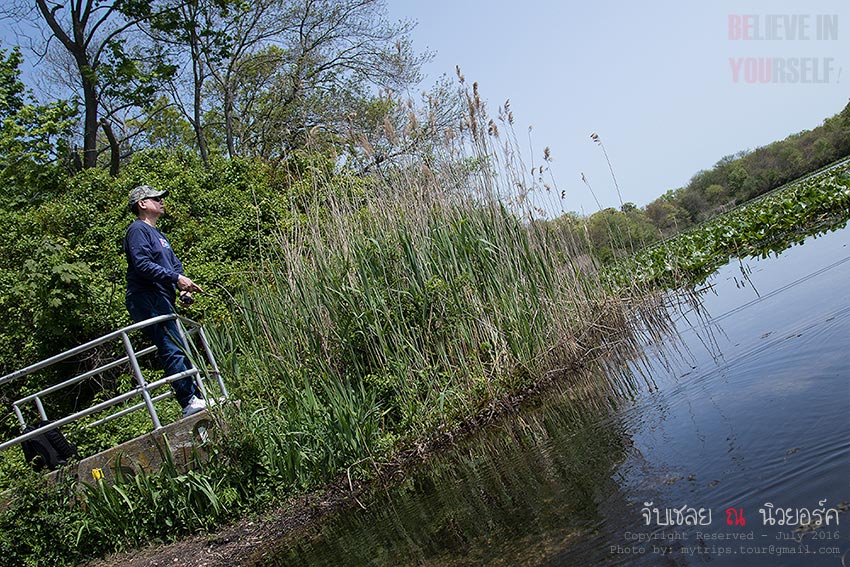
column 137, row 451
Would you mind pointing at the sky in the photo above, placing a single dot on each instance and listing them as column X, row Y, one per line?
column 669, row 87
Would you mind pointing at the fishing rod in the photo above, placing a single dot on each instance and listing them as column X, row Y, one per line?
column 187, row 298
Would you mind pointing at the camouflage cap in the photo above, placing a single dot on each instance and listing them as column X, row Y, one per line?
column 143, row 192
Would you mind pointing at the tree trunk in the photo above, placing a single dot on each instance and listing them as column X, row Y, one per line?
column 228, row 121
column 90, row 122
column 198, row 81
column 114, row 150
column 199, row 129
column 76, row 42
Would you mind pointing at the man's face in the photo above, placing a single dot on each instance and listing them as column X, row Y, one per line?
column 152, row 205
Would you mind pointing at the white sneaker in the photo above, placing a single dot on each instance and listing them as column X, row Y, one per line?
column 194, row 406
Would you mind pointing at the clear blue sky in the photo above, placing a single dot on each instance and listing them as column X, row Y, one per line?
column 662, row 83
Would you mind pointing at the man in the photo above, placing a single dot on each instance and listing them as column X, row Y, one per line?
column 154, row 274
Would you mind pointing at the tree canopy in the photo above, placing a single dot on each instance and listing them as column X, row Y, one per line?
column 31, row 135
column 259, row 78
column 734, row 179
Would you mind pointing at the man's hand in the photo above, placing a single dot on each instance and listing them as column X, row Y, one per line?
column 185, row 284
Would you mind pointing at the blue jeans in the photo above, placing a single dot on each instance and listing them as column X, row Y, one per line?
column 166, row 337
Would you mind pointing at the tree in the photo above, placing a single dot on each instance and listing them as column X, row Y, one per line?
column 716, row 194
column 30, row 134
column 163, row 125
column 385, row 129
column 194, row 30
column 666, row 215
column 737, row 177
column 293, row 67
column 615, row 234
column 693, row 200
column 111, row 73
column 267, row 75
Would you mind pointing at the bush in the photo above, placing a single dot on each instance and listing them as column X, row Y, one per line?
column 62, row 268
column 39, row 527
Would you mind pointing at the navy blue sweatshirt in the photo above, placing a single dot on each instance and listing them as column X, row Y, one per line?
column 152, row 266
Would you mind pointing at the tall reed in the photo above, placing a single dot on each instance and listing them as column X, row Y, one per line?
column 413, row 300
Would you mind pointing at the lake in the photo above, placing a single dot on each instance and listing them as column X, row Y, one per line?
column 708, row 448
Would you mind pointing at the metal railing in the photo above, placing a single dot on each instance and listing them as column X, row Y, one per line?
column 143, row 388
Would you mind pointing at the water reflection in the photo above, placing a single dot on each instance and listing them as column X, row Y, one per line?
column 514, row 496
column 746, row 404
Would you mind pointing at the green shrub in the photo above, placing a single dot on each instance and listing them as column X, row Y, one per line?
column 38, row 528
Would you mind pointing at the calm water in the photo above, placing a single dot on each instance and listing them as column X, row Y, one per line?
column 748, row 404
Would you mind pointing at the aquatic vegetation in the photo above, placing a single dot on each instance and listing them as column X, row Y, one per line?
column 399, row 316
column 769, row 224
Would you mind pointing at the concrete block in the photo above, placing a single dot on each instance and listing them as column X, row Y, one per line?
column 145, row 453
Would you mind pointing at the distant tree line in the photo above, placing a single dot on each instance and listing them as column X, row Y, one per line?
column 733, row 180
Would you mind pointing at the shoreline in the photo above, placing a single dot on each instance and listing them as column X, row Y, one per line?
column 250, row 539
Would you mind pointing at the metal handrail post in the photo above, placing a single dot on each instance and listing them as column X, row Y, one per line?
column 40, row 407
column 185, row 340
column 19, row 415
column 134, row 364
column 182, row 333
column 211, row 359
